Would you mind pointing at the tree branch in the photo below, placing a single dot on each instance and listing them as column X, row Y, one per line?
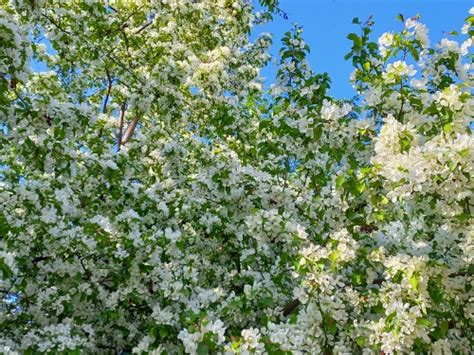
column 130, row 130
column 56, row 24
column 290, row 307
column 109, row 89
column 41, row 258
column 120, row 130
column 88, row 273
column 106, row 100
column 143, row 27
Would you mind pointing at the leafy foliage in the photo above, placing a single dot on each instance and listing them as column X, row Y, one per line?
column 157, row 199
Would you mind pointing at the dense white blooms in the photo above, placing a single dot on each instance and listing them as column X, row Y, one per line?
column 449, row 97
column 397, row 70
column 385, row 42
column 419, row 30
column 157, row 198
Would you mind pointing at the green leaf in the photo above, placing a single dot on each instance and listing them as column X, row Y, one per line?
column 389, row 320
column 379, row 215
column 414, row 281
column 441, row 330
column 397, row 277
column 235, row 345
column 357, row 41
column 424, row 321
column 414, row 53
column 318, row 131
column 360, row 341
column 5, row 270
column 405, row 141
column 357, row 278
column 352, row 37
column 329, row 324
column 203, row 349
column 448, row 128
column 463, row 217
column 435, row 291
column 340, row 180
column 266, row 301
column 360, row 187
column 464, row 153
column 378, row 308
column 293, row 319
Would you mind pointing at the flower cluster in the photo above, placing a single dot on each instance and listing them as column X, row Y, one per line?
column 157, row 198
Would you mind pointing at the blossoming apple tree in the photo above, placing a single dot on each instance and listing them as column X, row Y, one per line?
column 156, row 199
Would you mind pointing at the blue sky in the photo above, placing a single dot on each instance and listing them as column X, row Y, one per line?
column 326, row 24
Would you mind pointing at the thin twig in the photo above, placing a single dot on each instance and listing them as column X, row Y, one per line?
column 56, row 24
column 87, row 272
column 120, row 130
column 143, row 27
column 127, row 45
column 300, row 190
column 109, row 89
column 400, row 113
column 106, row 100
column 27, row 106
